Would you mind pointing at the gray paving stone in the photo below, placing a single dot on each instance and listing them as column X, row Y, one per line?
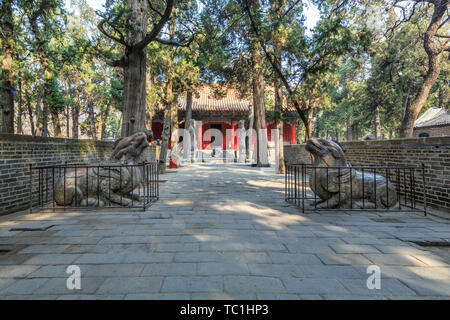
column 428, row 287
column 177, row 247
column 128, row 285
column 198, row 257
column 332, row 272
column 193, row 284
column 222, row 296
column 100, row 258
column 274, row 270
column 395, row 259
column 157, row 296
column 59, row 286
column 222, row 268
column 204, row 232
column 56, row 248
column 22, row 286
column 112, row 270
column 287, row 296
column 295, row 258
column 101, row 297
column 388, row 287
column 344, row 259
column 313, row 286
column 354, row 297
column 50, row 258
column 16, row 271
column 29, row 297
column 150, row 257
column 353, row 248
column 253, row 284
column 438, row 273
column 170, row 269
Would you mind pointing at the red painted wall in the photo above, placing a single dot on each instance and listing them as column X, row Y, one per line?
column 288, row 134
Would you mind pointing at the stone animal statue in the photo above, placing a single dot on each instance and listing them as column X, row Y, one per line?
column 328, row 153
column 97, row 186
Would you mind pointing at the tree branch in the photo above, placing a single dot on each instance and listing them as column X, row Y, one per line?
column 120, row 40
column 175, row 43
column 154, row 9
column 275, row 66
column 149, row 37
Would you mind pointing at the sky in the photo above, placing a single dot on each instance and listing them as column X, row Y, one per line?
column 312, row 13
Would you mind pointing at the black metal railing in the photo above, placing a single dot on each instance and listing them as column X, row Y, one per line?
column 408, row 181
column 93, row 186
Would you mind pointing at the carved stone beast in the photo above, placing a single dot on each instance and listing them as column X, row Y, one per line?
column 334, row 188
column 108, row 183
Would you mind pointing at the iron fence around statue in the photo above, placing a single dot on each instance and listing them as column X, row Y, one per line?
column 403, row 188
column 93, row 186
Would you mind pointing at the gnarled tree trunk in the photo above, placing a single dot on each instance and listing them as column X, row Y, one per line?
column 7, row 79
column 434, row 51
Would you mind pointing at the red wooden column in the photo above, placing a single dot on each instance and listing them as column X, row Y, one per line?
column 293, row 136
column 233, row 146
column 199, row 135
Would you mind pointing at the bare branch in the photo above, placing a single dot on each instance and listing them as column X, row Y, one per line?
column 120, row 40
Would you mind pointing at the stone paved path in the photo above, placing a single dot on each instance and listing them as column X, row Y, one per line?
column 222, row 232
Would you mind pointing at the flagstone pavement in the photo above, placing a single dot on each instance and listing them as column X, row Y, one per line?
column 222, row 232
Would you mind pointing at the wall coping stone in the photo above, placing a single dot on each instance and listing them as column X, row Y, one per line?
column 406, row 142
column 9, row 137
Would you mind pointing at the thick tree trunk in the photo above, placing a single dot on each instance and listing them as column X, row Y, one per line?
column 134, row 105
column 174, row 126
column 262, row 159
column 92, row 127
column 188, row 115
column 279, row 95
column 30, row 113
column 349, row 130
column 249, row 136
column 56, row 124
column 189, row 153
column 279, row 127
column 19, row 109
column 376, row 122
column 101, row 126
column 134, row 94
column 164, row 141
column 76, row 112
column 434, row 51
column 7, row 79
column 149, row 109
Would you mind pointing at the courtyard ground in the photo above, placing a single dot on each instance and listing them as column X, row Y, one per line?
column 222, row 232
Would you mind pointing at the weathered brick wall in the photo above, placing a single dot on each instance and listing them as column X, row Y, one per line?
column 17, row 152
column 436, row 131
column 434, row 152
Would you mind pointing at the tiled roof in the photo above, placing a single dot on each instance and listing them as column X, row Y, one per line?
column 216, row 98
column 433, row 117
column 222, row 99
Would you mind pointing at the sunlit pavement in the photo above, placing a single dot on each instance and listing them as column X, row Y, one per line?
column 223, row 232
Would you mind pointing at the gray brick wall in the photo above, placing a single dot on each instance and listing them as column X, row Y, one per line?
column 434, row 152
column 17, row 152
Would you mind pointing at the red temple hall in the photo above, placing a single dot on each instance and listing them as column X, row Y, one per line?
column 222, row 109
